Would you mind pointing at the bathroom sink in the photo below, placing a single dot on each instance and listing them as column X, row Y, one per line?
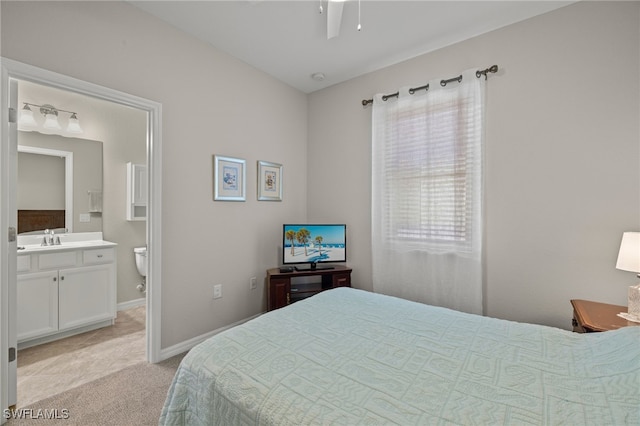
column 33, row 243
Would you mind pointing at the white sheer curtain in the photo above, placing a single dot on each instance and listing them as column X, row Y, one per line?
column 427, row 194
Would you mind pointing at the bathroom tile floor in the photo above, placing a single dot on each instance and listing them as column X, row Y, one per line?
column 55, row 367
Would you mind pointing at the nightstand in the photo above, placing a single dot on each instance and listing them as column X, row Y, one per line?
column 589, row 317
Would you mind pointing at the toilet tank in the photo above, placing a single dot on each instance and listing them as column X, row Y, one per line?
column 141, row 260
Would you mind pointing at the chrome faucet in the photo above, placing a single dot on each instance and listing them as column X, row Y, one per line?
column 50, row 238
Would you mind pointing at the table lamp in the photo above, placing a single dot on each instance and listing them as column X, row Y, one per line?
column 629, row 260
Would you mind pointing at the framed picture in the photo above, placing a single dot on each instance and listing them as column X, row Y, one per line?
column 269, row 181
column 229, row 181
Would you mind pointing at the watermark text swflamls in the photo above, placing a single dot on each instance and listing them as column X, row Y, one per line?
column 36, row 414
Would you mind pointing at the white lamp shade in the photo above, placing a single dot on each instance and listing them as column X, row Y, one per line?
column 51, row 122
column 26, row 118
column 74, row 125
column 629, row 255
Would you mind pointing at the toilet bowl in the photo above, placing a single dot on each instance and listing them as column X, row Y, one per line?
column 141, row 265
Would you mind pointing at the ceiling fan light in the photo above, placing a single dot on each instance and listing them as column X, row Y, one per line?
column 74, row 124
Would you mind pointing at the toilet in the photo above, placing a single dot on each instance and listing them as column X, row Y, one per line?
column 141, row 264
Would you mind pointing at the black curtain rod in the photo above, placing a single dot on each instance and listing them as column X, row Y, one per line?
column 479, row 73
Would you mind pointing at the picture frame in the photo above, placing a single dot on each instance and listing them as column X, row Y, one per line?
column 229, row 178
column 269, row 181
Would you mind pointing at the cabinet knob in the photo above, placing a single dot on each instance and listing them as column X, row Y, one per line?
column 55, row 279
column 62, row 278
column 99, row 256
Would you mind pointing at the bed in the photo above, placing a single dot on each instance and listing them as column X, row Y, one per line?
column 348, row 356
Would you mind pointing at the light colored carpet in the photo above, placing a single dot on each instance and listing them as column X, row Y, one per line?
column 133, row 396
column 54, row 367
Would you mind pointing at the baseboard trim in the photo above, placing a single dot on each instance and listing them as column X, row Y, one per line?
column 131, row 304
column 65, row 333
column 188, row 344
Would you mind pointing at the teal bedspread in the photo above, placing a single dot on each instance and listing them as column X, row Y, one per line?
column 352, row 357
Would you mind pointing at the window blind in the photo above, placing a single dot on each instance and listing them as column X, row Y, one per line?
column 427, row 167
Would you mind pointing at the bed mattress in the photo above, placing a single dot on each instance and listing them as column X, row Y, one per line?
column 351, row 357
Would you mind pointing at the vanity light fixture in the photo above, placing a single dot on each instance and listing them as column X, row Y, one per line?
column 50, row 118
column 26, row 117
column 74, row 124
column 50, row 114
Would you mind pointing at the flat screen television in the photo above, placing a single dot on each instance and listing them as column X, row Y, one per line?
column 312, row 244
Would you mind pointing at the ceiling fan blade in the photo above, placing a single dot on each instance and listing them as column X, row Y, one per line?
column 334, row 17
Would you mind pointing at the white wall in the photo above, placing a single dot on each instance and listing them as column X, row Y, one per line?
column 212, row 104
column 562, row 173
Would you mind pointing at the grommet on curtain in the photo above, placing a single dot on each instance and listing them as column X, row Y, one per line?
column 451, row 80
column 393, row 95
column 415, row 89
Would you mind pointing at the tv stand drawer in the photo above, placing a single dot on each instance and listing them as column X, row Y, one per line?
column 284, row 288
column 342, row 280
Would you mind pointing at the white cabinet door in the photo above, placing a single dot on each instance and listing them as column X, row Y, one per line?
column 136, row 191
column 140, row 185
column 37, row 304
column 86, row 295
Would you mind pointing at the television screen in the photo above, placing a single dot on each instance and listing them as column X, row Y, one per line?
column 306, row 243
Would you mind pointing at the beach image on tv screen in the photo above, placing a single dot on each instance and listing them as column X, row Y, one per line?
column 314, row 243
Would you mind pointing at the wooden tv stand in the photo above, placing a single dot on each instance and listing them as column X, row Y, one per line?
column 284, row 288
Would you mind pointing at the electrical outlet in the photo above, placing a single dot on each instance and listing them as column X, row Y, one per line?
column 253, row 283
column 217, row 291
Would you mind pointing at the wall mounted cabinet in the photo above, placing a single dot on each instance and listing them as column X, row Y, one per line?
column 136, row 191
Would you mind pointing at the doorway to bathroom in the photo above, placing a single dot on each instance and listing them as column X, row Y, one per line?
column 141, row 310
column 111, row 133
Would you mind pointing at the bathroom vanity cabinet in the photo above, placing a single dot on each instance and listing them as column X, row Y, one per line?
column 65, row 291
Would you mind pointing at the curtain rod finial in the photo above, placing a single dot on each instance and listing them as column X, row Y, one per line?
column 491, row 69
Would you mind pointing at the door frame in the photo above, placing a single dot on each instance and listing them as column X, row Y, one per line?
column 11, row 69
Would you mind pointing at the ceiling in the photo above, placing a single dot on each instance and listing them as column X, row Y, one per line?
column 288, row 39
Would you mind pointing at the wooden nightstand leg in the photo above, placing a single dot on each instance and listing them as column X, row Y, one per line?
column 576, row 326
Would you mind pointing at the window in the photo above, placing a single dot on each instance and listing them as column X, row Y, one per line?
column 428, row 167
column 426, row 195
column 427, row 177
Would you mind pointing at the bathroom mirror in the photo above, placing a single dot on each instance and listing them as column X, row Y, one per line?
column 59, row 182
